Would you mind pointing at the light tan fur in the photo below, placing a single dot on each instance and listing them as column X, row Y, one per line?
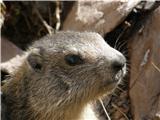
column 59, row 91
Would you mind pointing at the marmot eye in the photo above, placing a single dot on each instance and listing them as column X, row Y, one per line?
column 73, row 60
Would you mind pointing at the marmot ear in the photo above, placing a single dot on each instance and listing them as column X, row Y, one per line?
column 35, row 59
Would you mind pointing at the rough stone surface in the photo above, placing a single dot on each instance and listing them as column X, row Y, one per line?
column 145, row 74
column 8, row 50
column 101, row 16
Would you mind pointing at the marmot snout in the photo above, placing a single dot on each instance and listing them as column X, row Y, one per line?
column 60, row 74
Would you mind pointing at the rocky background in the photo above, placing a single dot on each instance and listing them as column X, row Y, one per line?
column 132, row 27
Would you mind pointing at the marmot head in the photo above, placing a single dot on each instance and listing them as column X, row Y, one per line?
column 72, row 67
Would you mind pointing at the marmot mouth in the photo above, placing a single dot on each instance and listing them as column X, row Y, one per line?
column 120, row 75
column 109, row 85
column 116, row 78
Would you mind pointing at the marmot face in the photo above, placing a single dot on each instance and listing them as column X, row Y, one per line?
column 71, row 67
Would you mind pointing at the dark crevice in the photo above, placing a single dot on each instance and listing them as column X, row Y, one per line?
column 4, row 75
column 131, row 25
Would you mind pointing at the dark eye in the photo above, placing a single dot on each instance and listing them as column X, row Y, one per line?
column 73, row 60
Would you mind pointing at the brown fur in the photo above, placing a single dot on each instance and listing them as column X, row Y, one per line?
column 58, row 91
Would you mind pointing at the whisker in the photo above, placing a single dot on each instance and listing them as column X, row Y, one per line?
column 118, row 43
column 119, row 37
column 125, row 51
column 122, row 45
column 104, row 109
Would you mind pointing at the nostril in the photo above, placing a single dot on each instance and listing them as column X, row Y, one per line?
column 118, row 65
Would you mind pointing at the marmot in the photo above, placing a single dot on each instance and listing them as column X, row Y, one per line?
column 59, row 75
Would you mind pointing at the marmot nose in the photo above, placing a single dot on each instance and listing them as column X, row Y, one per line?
column 118, row 64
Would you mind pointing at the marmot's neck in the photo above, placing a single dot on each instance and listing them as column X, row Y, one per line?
column 18, row 105
column 15, row 100
column 16, row 95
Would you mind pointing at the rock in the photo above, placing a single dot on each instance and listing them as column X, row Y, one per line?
column 145, row 76
column 98, row 16
column 8, row 50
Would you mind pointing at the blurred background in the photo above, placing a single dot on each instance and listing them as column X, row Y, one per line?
column 132, row 27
